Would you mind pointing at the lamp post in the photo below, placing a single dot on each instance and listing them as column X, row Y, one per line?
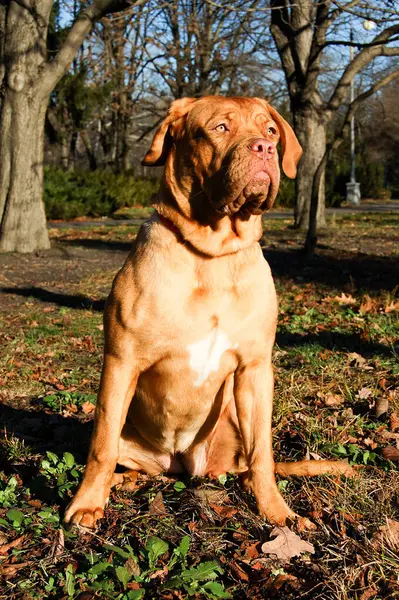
column 353, row 187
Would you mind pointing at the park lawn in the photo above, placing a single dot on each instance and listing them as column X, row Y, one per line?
column 336, row 397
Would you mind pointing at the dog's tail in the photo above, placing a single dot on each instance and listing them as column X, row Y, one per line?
column 311, row 468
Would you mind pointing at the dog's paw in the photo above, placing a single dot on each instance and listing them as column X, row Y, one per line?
column 304, row 524
column 276, row 511
column 84, row 517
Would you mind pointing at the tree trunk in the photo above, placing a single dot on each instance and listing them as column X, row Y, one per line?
column 22, row 115
column 23, row 221
column 311, row 132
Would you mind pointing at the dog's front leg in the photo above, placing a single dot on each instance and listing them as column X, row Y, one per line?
column 253, row 393
column 118, row 383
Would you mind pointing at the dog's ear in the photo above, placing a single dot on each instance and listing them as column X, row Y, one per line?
column 164, row 135
column 292, row 151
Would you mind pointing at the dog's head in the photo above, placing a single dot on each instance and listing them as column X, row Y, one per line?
column 222, row 153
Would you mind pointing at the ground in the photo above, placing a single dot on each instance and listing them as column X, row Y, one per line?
column 336, row 372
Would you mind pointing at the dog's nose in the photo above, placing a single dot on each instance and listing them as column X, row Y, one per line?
column 262, row 146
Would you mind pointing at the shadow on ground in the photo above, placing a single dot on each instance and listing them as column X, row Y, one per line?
column 40, row 432
column 363, row 271
column 78, row 301
column 109, row 245
column 331, row 340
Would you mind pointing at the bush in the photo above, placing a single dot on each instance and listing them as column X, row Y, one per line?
column 286, row 193
column 71, row 194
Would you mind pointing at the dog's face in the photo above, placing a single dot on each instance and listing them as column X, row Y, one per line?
column 223, row 152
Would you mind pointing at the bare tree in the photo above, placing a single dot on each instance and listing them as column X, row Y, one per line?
column 200, row 48
column 27, row 78
column 306, row 32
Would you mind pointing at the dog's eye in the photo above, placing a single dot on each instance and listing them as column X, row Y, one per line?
column 272, row 130
column 220, row 128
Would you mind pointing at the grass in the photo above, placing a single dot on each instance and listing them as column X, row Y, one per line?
column 335, row 362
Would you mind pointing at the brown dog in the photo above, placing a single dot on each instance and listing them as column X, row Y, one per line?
column 189, row 326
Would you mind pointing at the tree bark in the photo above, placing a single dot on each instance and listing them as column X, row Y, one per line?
column 27, row 79
column 311, row 132
column 22, row 115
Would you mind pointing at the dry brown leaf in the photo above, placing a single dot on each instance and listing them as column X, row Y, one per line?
column 281, row 579
column 4, row 548
column 224, row 511
column 394, row 421
column 211, row 496
column 364, row 393
column 381, row 406
column 133, row 567
column 393, row 306
column 11, row 570
column 238, row 571
column 333, row 399
column 369, row 593
column 88, row 407
column 345, row 299
column 370, row 443
column 157, row 506
column 388, row 435
column 59, row 544
column 368, row 305
column 387, row 535
column 357, row 359
column 390, row 453
column 252, row 551
column 286, row 544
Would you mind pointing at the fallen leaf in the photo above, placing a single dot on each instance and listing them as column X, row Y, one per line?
column 157, row 506
column 333, row 399
column 394, row 421
column 381, row 406
column 252, row 551
column 88, row 407
column 369, row 593
column 225, row 512
column 345, row 299
column 11, row 570
column 59, row 546
column 281, row 579
column 356, row 358
column 364, row 393
column 390, row 453
column 393, row 306
column 133, row 567
column 238, row 571
column 370, row 443
column 211, row 496
column 34, row 502
column 388, row 435
column 368, row 305
column 286, row 544
column 4, row 548
column 387, row 535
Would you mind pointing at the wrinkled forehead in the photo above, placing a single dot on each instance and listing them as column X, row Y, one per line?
column 241, row 110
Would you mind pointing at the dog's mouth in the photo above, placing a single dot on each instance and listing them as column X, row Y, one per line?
column 256, row 196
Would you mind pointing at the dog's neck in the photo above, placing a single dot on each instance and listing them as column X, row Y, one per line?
column 213, row 236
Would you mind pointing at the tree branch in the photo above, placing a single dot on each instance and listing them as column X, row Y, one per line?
column 55, row 69
column 311, row 238
column 360, row 61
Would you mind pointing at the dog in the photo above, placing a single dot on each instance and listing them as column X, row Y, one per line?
column 189, row 326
